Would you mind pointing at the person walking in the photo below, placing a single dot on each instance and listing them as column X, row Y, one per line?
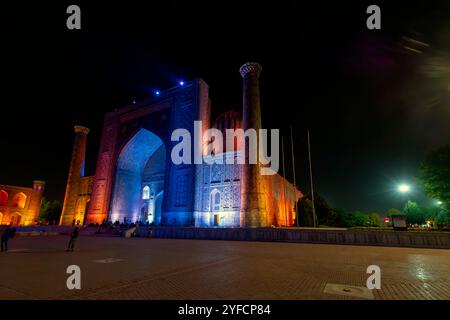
column 6, row 235
column 73, row 237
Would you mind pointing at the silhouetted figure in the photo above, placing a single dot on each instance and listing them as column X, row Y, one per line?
column 149, row 233
column 73, row 237
column 13, row 232
column 73, row 222
column 5, row 238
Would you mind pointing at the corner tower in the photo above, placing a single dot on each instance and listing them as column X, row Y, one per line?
column 76, row 172
column 34, row 207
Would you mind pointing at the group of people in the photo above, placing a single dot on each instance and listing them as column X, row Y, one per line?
column 10, row 232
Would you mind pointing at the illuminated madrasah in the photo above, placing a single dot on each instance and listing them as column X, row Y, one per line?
column 137, row 181
column 20, row 206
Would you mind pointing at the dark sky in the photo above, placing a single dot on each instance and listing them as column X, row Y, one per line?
column 374, row 101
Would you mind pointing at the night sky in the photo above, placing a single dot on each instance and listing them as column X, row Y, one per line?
column 374, row 101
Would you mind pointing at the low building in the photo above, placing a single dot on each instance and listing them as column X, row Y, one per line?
column 20, row 206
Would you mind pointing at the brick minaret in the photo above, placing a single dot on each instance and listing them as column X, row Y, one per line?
column 76, row 171
column 253, row 208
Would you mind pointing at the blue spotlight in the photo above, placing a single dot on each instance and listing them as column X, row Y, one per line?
column 181, row 83
column 157, row 93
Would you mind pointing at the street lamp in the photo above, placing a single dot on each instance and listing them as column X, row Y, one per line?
column 404, row 188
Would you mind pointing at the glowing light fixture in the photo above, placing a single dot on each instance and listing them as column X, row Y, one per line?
column 404, row 188
column 157, row 93
column 181, row 83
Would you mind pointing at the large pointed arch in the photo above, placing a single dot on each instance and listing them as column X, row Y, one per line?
column 131, row 164
column 19, row 200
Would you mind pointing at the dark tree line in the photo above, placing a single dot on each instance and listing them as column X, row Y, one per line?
column 331, row 217
column 50, row 211
column 434, row 177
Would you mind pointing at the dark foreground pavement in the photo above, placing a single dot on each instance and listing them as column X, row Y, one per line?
column 118, row 268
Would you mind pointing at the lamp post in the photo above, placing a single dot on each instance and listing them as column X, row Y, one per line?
column 399, row 221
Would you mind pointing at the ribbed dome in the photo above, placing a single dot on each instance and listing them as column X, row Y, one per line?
column 228, row 120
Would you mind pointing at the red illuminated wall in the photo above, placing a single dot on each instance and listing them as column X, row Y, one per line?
column 281, row 197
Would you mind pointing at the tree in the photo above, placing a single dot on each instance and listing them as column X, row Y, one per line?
column 352, row 218
column 50, row 211
column 325, row 214
column 442, row 218
column 305, row 216
column 393, row 212
column 434, row 175
column 374, row 219
column 414, row 214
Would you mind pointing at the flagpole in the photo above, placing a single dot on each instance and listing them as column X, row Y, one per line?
column 311, row 182
column 295, row 182
column 284, row 179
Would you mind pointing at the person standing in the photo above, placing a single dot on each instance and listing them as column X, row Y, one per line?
column 73, row 237
column 5, row 237
column 136, row 232
column 13, row 232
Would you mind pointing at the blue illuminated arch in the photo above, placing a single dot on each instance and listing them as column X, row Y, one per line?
column 127, row 191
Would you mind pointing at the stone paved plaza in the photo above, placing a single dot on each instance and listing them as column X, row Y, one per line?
column 118, row 268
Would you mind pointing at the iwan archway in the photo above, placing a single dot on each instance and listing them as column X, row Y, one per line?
column 130, row 158
column 139, row 180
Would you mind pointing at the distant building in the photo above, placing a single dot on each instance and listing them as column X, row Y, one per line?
column 20, row 206
column 136, row 181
